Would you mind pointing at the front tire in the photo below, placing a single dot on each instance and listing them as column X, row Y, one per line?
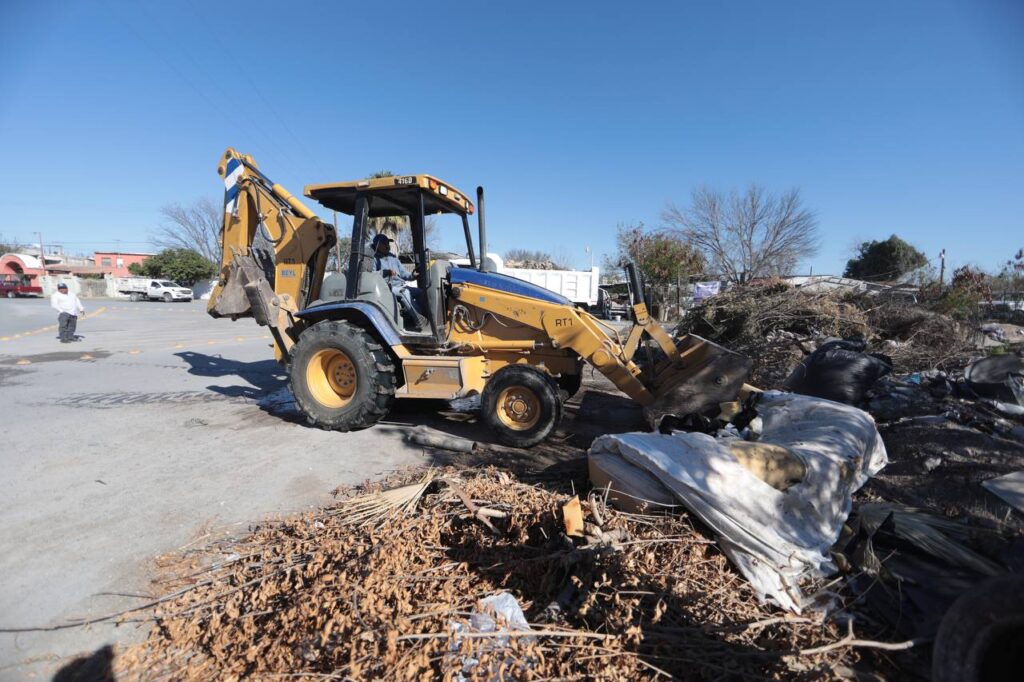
column 520, row 405
column 341, row 377
column 168, row 298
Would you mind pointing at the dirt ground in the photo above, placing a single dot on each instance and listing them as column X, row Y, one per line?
column 938, row 465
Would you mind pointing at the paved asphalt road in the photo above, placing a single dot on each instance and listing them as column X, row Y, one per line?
column 146, row 435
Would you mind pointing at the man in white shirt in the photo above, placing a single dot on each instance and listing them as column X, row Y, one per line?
column 69, row 308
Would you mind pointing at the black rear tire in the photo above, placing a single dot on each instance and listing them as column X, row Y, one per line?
column 520, row 405
column 341, row 377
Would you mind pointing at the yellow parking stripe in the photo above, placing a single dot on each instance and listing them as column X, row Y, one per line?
column 48, row 328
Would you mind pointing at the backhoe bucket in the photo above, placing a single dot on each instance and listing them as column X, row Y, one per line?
column 244, row 292
column 701, row 375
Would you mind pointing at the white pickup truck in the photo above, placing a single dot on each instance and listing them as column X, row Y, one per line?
column 146, row 289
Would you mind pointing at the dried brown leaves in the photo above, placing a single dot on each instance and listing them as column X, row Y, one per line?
column 318, row 596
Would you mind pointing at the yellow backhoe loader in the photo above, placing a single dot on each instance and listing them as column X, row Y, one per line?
column 350, row 352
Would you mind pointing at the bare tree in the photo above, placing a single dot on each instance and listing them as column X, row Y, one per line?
column 748, row 235
column 195, row 226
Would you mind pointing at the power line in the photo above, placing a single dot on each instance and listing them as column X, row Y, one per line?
column 233, row 120
column 67, row 206
column 266, row 101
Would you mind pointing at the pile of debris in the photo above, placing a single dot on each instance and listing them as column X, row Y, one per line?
column 778, row 326
column 533, row 264
column 479, row 577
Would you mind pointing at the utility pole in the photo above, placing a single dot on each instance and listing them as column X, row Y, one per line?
column 42, row 253
column 942, row 267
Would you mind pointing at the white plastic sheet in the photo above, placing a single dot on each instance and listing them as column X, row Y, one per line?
column 775, row 538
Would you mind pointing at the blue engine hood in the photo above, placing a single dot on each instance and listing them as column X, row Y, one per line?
column 511, row 285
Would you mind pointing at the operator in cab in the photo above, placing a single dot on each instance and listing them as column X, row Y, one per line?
column 396, row 276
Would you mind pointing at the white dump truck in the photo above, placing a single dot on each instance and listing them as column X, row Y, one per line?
column 579, row 286
column 151, row 289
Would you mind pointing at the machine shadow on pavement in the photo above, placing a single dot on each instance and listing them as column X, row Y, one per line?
column 261, row 377
column 96, row 667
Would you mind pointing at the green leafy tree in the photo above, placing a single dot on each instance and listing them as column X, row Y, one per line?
column 664, row 259
column 881, row 261
column 661, row 257
column 968, row 289
column 184, row 266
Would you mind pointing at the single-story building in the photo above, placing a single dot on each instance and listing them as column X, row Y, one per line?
column 116, row 262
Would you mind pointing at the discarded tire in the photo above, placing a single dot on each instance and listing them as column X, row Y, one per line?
column 341, row 377
column 981, row 637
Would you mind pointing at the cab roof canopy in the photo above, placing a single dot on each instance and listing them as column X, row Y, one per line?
column 393, row 196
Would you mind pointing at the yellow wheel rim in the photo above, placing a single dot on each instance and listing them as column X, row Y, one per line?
column 331, row 378
column 518, row 408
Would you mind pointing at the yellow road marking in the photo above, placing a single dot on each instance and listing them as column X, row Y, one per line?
column 23, row 361
column 239, row 338
column 134, row 351
column 86, row 356
column 48, row 328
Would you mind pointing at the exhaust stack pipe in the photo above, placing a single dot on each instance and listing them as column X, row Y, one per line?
column 636, row 293
column 483, row 228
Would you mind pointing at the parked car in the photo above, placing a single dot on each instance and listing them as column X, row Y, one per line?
column 11, row 287
column 146, row 289
column 611, row 305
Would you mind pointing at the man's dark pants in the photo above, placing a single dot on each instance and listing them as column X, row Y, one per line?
column 67, row 323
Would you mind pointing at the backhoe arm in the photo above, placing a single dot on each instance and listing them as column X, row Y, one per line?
column 689, row 375
column 269, row 285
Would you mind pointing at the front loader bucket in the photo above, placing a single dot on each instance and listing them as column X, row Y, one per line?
column 700, row 376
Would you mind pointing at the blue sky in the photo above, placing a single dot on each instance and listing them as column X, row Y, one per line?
column 903, row 117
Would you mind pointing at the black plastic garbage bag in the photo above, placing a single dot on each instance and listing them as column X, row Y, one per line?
column 839, row 370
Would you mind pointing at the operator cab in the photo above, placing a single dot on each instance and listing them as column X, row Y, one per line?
column 410, row 198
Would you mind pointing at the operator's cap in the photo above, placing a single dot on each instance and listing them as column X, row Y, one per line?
column 62, row 286
column 378, row 238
